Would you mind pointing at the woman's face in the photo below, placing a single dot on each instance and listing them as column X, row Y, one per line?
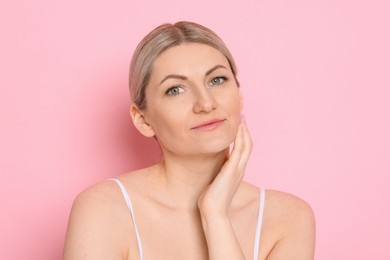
column 193, row 102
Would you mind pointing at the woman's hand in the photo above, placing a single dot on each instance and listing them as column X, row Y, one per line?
column 217, row 197
column 215, row 201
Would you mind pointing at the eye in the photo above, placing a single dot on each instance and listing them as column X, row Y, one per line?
column 174, row 90
column 218, row 80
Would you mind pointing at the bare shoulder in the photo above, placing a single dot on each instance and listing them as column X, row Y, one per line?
column 99, row 195
column 286, row 205
column 98, row 201
column 296, row 222
column 107, row 194
column 95, row 228
column 281, row 206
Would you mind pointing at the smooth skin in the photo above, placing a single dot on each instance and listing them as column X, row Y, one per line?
column 194, row 204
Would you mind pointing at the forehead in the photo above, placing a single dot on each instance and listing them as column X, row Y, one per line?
column 188, row 59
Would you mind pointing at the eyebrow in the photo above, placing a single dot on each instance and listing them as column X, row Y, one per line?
column 175, row 76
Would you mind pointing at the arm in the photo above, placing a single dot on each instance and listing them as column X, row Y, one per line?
column 215, row 201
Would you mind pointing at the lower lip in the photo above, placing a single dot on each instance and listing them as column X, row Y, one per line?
column 208, row 127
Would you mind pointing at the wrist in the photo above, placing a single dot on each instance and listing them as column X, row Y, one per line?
column 221, row 238
column 214, row 220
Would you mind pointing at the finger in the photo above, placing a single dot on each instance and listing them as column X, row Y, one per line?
column 237, row 146
column 246, row 143
column 231, row 165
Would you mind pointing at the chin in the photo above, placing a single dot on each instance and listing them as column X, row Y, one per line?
column 215, row 146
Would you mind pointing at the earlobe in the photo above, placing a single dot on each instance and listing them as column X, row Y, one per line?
column 140, row 122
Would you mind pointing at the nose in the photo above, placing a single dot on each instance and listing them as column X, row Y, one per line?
column 204, row 102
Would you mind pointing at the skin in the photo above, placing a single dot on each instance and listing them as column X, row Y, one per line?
column 194, row 204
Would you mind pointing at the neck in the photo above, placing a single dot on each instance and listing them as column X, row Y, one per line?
column 186, row 177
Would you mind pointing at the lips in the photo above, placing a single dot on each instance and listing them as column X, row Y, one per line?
column 209, row 125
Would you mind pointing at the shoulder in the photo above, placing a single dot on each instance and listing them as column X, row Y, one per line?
column 97, row 213
column 288, row 224
column 295, row 221
column 102, row 193
column 107, row 193
column 96, row 201
column 280, row 205
column 287, row 205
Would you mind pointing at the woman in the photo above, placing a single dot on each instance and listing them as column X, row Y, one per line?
column 194, row 203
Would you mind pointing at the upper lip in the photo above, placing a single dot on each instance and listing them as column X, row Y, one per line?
column 208, row 122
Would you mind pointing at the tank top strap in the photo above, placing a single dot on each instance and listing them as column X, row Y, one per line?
column 130, row 206
column 258, row 227
column 259, row 224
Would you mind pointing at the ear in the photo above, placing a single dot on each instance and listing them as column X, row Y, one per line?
column 140, row 122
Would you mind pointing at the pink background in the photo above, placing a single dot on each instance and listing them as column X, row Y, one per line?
column 315, row 76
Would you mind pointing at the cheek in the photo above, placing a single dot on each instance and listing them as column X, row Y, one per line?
column 236, row 112
column 235, row 106
column 166, row 122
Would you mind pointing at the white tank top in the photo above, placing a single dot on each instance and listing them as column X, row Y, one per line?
column 258, row 227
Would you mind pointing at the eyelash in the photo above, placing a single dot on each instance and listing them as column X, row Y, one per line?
column 169, row 91
column 223, row 78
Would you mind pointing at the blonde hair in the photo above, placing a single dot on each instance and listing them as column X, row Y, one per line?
column 160, row 39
